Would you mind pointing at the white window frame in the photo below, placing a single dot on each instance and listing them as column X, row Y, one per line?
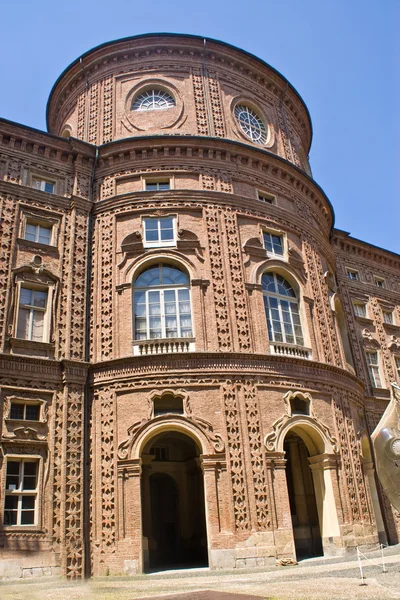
column 265, row 197
column 373, row 368
column 157, row 182
column 350, row 272
column 38, row 224
column 47, row 310
column 363, row 307
column 20, row 493
column 39, row 183
column 388, row 317
column 278, row 234
column 270, row 327
column 161, row 288
column 159, row 243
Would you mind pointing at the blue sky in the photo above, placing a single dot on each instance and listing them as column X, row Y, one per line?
column 339, row 54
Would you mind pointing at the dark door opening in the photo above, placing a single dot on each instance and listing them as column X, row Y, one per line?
column 173, row 503
column 303, row 506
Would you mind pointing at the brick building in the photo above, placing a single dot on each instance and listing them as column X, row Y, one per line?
column 192, row 358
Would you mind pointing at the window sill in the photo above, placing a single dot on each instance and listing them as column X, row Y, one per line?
column 7, row 529
column 392, row 327
column 31, row 348
column 381, row 392
column 36, row 246
column 364, row 320
column 163, row 346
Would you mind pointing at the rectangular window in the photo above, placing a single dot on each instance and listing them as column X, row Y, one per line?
column 360, row 309
column 267, row 198
column 20, row 504
column 159, row 232
column 158, row 186
column 353, row 275
column 43, row 185
column 24, row 411
column 38, row 233
column 373, row 367
column 388, row 317
column 379, row 282
column 31, row 315
column 273, row 243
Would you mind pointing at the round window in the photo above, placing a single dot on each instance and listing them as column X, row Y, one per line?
column 153, row 100
column 251, row 124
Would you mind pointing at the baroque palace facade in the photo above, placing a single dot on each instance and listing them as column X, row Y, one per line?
column 192, row 358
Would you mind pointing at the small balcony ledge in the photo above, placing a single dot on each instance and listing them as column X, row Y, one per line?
column 282, row 349
column 163, row 346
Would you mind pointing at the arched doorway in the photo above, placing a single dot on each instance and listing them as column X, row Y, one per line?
column 302, row 498
column 173, row 509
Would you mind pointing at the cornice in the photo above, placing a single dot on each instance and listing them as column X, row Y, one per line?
column 360, row 249
column 204, row 364
column 26, row 193
column 18, row 139
column 122, row 154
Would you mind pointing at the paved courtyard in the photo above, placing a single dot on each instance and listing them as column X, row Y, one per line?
column 313, row 579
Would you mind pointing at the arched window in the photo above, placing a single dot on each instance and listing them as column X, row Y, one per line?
column 162, row 303
column 153, row 100
column 282, row 310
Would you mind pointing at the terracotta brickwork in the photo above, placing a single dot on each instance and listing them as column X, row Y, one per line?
column 106, row 398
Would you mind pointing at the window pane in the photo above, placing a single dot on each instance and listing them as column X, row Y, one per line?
column 10, row 510
column 17, row 411
column 39, row 299
column 25, row 296
column 37, row 326
column 44, row 235
column 30, row 232
column 28, row 517
column 32, row 412
column 48, row 187
column 152, row 235
column 23, row 324
column 267, row 242
column 167, row 235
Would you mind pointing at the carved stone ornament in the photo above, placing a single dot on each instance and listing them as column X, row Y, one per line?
column 394, row 344
column 274, row 439
column 206, row 428
column 303, row 396
column 369, row 340
column 25, row 433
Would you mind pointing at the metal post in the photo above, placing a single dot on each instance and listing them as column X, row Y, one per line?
column 384, row 569
column 360, row 567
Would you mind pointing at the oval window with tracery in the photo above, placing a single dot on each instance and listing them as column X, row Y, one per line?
column 251, row 124
column 153, row 100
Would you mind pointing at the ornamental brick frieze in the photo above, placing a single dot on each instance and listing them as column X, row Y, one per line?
column 326, row 327
column 93, row 121
column 108, row 106
column 357, row 509
column 219, row 284
column 107, row 500
column 106, row 252
column 236, row 463
column 257, row 458
column 8, row 211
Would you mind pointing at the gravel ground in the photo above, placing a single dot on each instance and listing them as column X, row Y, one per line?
column 313, row 579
